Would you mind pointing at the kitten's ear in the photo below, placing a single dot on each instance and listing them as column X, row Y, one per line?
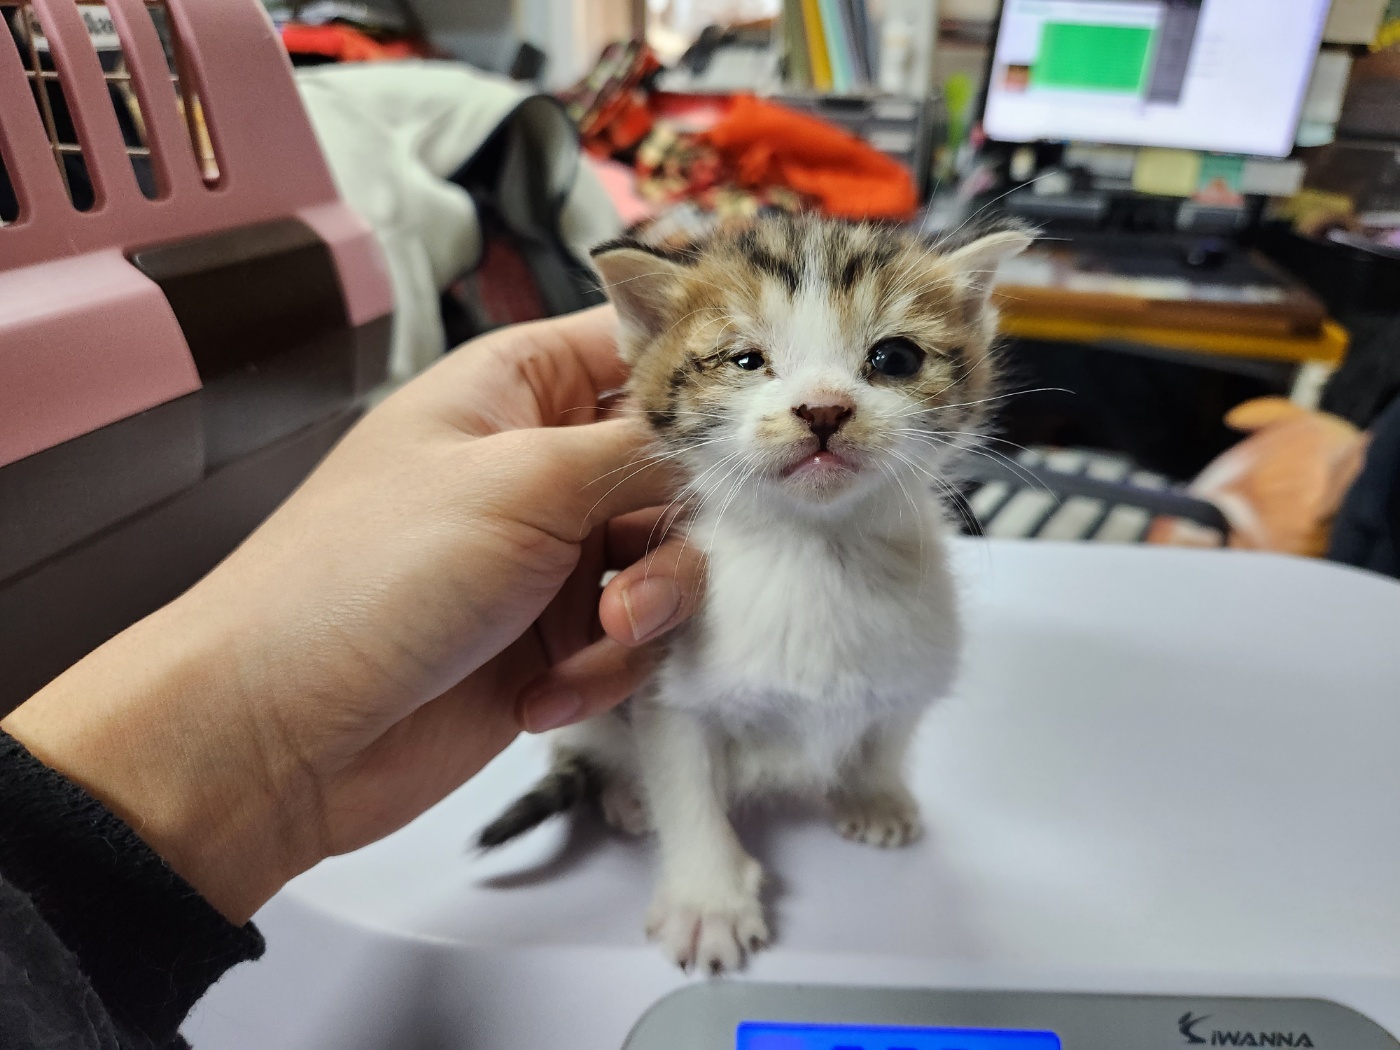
column 979, row 260
column 639, row 283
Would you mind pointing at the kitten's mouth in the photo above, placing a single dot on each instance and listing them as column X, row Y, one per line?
column 819, row 464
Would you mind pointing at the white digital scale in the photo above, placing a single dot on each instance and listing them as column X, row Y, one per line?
column 1163, row 811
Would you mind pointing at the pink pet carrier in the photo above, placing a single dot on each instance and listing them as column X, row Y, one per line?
column 189, row 314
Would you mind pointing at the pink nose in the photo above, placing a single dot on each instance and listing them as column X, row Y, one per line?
column 825, row 420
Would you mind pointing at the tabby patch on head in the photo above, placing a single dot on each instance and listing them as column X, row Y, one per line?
column 808, row 359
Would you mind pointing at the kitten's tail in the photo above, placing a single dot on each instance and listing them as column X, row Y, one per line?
column 570, row 781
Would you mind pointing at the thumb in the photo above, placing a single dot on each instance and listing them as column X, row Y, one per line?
column 582, row 476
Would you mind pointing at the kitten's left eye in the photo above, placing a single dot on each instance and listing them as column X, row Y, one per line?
column 749, row 360
column 896, row 358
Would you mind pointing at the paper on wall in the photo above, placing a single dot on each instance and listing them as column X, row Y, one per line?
column 1328, row 87
column 1353, row 21
column 96, row 20
column 1272, row 178
column 1104, row 162
column 1168, row 172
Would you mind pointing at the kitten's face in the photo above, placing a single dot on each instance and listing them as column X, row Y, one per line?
column 809, row 361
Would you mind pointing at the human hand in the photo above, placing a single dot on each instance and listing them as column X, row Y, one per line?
column 430, row 590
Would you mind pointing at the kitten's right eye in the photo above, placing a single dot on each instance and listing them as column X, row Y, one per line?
column 897, row 358
column 749, row 360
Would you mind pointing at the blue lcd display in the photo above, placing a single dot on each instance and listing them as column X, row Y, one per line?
column 765, row 1036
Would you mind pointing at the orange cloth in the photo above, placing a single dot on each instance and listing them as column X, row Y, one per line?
column 767, row 144
column 344, row 43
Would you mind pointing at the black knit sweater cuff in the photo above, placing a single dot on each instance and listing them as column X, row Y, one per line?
column 147, row 941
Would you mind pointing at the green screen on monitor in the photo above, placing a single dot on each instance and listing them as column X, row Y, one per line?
column 1081, row 57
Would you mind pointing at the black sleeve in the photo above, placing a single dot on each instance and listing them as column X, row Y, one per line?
column 45, row 1001
column 143, row 940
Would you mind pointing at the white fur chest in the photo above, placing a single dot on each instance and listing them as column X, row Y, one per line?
column 806, row 620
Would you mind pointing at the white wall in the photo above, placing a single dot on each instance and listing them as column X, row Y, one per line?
column 572, row 32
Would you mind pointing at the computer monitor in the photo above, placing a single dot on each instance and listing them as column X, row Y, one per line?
column 1222, row 75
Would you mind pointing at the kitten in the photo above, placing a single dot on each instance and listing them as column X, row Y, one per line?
column 813, row 377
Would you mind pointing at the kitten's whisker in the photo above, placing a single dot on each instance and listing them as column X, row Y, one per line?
column 982, row 439
column 664, row 273
column 976, row 436
column 1018, row 469
column 691, row 491
column 728, row 499
column 656, row 457
column 641, row 465
column 959, row 501
column 961, row 508
column 970, row 366
column 685, row 540
column 701, row 414
column 698, row 310
column 652, row 457
column 995, row 200
column 922, row 230
column 967, row 369
column 1014, row 393
column 697, row 487
column 913, row 507
column 922, row 405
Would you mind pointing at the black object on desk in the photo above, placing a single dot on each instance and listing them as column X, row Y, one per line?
column 1209, row 253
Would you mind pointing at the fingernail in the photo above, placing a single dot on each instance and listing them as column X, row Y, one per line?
column 550, row 708
column 650, row 604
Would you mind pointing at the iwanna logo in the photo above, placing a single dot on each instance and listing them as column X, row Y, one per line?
column 1189, row 1025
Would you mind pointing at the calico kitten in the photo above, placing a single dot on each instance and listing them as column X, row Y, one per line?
column 813, row 377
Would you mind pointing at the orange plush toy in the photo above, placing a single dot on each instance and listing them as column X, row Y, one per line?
column 1280, row 487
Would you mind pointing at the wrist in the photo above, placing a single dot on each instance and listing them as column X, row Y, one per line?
column 154, row 726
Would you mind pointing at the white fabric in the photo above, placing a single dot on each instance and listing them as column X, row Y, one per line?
column 392, row 133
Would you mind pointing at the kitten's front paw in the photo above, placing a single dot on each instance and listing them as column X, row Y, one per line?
column 623, row 809
column 713, row 931
column 885, row 818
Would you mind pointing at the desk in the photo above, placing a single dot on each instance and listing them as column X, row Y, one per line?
column 1165, row 771
column 1190, row 378
column 1122, row 292
column 1326, row 348
column 1154, row 372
